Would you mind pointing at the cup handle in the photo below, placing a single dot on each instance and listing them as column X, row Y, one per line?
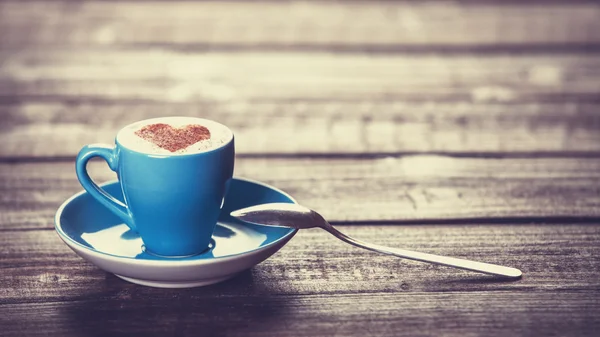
column 109, row 154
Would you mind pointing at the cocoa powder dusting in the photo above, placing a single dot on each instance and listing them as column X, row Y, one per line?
column 171, row 139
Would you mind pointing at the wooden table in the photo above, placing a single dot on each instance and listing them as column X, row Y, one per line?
column 469, row 129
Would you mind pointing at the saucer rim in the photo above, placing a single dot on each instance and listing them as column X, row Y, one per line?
column 167, row 263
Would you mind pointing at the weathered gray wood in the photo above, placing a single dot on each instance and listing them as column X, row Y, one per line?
column 60, row 129
column 321, row 283
column 126, row 313
column 81, row 74
column 409, row 189
column 305, row 103
column 45, row 129
column 38, row 266
column 298, row 24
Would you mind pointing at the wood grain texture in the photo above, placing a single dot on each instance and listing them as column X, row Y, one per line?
column 55, row 101
column 409, row 189
column 155, row 75
column 323, row 283
column 42, row 129
column 563, row 313
column 39, row 266
column 298, row 24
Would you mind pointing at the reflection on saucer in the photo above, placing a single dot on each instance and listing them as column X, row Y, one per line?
column 112, row 241
column 230, row 239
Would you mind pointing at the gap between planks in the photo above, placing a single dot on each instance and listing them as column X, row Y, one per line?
column 541, row 220
column 356, row 156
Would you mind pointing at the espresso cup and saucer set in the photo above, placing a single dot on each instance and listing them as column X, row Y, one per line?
column 165, row 221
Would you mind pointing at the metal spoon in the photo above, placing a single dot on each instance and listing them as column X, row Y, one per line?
column 296, row 216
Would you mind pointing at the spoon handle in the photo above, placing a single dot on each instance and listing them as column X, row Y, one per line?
column 481, row 267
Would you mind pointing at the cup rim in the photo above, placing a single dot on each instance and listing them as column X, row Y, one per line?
column 175, row 155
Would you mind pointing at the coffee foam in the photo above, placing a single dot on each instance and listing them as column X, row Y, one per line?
column 219, row 136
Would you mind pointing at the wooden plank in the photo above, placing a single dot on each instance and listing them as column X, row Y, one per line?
column 298, row 24
column 57, row 129
column 409, row 189
column 306, row 103
column 38, row 266
column 456, row 314
column 81, row 74
column 323, row 283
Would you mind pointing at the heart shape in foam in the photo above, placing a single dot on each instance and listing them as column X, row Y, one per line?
column 173, row 139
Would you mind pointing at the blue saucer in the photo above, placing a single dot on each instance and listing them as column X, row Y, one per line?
column 100, row 237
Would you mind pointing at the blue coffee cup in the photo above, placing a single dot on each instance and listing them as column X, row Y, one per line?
column 172, row 201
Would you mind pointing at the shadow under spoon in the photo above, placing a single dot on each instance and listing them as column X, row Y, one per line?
column 300, row 217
